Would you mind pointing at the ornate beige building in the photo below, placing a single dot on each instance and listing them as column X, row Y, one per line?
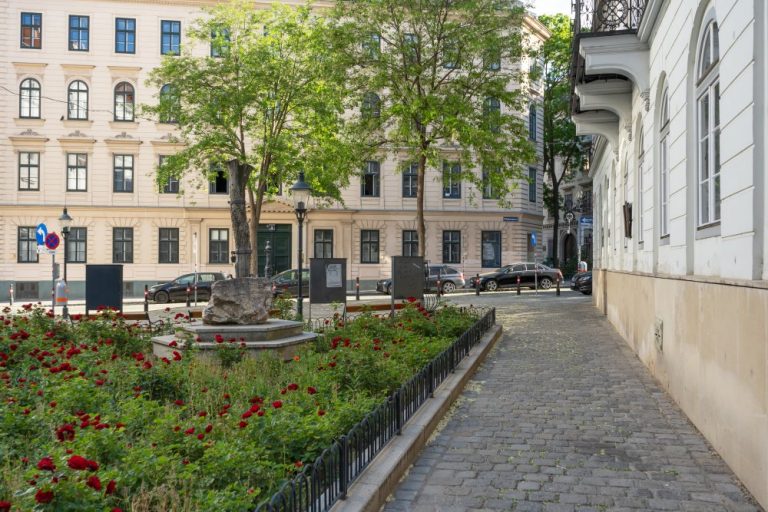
column 72, row 136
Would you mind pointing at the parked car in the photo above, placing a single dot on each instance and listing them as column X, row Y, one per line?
column 506, row 277
column 449, row 277
column 582, row 283
column 176, row 290
column 287, row 282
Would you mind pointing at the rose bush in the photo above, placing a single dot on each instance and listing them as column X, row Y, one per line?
column 91, row 420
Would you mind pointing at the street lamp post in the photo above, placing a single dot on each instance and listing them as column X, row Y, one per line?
column 301, row 193
column 65, row 221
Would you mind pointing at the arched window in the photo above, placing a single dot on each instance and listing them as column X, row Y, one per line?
column 492, row 114
column 640, row 183
column 29, row 98
column 708, row 125
column 77, row 100
column 532, row 124
column 371, row 105
column 169, row 101
column 124, row 102
column 664, row 165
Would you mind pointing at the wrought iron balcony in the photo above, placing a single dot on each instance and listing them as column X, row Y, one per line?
column 607, row 16
column 595, row 18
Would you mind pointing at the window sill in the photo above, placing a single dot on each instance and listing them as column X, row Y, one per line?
column 708, row 231
column 122, row 125
column 29, row 121
column 77, row 123
column 664, row 240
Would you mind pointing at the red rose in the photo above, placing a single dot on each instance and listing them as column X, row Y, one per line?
column 77, row 462
column 293, row 386
column 219, row 338
column 242, row 424
column 117, row 509
column 190, row 431
column 92, row 465
column 201, row 436
column 179, row 402
column 176, row 356
column 110, row 487
column 208, row 428
column 202, row 414
column 260, row 413
column 93, row 482
column 277, row 404
column 5, row 506
column 321, row 412
column 46, row 464
column 311, row 390
column 246, row 415
column 42, row 496
column 255, row 408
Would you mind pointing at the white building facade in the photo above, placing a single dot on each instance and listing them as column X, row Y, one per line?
column 676, row 92
column 73, row 136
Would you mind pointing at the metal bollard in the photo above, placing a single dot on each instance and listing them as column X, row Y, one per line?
column 477, row 284
column 439, row 287
column 189, row 291
column 10, row 292
column 146, row 298
column 558, row 287
column 518, row 285
column 357, row 288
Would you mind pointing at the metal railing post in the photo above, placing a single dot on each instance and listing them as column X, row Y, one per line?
column 477, row 284
column 357, row 288
column 343, row 466
column 518, row 285
column 189, row 291
column 146, row 299
column 558, row 286
column 399, row 411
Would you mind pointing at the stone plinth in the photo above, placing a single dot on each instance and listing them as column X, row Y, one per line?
column 241, row 301
column 281, row 336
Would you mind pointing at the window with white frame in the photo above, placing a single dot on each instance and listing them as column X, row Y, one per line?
column 708, row 126
column 122, row 173
column 640, row 184
column 451, row 180
column 411, row 180
column 664, row 166
column 369, row 183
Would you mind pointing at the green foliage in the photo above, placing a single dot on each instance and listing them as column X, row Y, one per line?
column 432, row 64
column 168, row 432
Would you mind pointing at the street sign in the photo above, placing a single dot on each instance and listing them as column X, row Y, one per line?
column 52, row 241
column 533, row 239
column 41, row 249
column 511, row 219
column 40, row 233
column 586, row 221
column 569, row 217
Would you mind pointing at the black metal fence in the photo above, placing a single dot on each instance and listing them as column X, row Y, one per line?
column 323, row 483
column 607, row 15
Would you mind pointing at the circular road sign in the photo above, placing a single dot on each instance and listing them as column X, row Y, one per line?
column 52, row 241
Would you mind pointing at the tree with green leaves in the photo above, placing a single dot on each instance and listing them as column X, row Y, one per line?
column 435, row 81
column 266, row 101
column 564, row 151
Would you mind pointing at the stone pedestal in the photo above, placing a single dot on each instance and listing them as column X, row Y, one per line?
column 281, row 336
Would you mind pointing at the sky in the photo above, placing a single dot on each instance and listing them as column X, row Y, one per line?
column 551, row 6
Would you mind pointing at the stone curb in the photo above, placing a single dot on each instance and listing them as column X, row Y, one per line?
column 370, row 491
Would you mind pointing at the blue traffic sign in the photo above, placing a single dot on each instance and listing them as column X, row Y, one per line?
column 40, row 233
column 585, row 220
column 533, row 239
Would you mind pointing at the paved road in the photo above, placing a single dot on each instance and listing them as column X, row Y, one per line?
column 563, row 417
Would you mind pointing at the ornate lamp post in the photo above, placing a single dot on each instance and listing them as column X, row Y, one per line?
column 301, row 193
column 66, row 222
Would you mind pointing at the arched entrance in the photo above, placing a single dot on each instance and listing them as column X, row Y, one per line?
column 569, row 247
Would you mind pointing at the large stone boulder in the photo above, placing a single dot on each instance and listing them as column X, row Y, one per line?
column 241, row 301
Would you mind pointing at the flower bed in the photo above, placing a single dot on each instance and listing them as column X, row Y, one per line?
column 89, row 420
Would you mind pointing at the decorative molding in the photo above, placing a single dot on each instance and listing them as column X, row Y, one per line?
column 76, row 137
column 646, row 95
column 123, row 139
column 28, row 136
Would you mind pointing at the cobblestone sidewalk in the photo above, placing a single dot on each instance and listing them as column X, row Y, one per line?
column 564, row 417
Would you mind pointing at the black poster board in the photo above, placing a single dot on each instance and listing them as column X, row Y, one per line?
column 407, row 277
column 327, row 280
column 103, row 286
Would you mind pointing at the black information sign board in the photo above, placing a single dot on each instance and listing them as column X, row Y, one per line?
column 103, row 286
column 407, row 277
column 327, row 280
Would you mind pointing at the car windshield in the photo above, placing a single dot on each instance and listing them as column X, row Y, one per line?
column 185, row 279
column 502, row 269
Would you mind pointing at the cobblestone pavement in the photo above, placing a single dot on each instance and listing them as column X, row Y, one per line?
column 564, row 417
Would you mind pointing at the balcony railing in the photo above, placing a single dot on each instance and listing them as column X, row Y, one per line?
column 600, row 18
column 607, row 16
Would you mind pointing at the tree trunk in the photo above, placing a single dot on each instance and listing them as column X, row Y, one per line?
column 556, row 225
column 253, row 228
column 238, row 180
column 421, row 228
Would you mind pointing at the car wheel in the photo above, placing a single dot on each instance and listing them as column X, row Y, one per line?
column 545, row 283
column 491, row 286
column 161, row 297
column 587, row 292
column 448, row 287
